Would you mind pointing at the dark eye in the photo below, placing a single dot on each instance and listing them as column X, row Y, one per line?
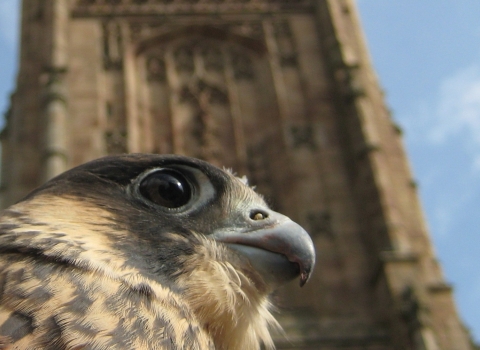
column 166, row 187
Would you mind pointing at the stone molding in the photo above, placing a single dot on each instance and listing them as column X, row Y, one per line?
column 172, row 7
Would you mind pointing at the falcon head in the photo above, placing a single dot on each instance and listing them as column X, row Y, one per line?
column 179, row 223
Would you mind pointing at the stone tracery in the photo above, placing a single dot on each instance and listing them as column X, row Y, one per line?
column 194, row 73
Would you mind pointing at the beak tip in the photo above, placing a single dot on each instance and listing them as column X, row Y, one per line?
column 304, row 277
column 302, row 281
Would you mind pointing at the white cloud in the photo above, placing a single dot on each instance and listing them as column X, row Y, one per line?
column 448, row 123
column 451, row 117
column 9, row 13
column 458, row 111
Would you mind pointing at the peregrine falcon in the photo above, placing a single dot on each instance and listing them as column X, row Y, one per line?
column 145, row 252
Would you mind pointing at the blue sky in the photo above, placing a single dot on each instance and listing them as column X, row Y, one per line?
column 8, row 50
column 427, row 56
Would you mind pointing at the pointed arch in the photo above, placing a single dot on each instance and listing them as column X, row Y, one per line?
column 205, row 31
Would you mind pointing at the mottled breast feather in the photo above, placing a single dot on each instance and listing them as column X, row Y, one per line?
column 62, row 287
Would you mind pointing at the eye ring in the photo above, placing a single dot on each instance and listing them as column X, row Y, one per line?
column 168, row 188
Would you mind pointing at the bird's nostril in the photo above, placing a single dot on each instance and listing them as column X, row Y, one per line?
column 258, row 215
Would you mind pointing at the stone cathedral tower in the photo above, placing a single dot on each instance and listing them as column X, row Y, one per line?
column 280, row 90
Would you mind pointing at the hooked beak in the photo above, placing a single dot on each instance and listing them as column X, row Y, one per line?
column 278, row 248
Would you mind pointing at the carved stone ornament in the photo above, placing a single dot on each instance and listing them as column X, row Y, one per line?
column 112, row 45
column 203, row 94
column 54, row 84
column 286, row 43
column 156, row 70
column 303, row 136
column 348, row 78
column 116, row 142
column 252, row 29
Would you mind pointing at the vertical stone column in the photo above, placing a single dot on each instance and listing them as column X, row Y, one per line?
column 55, row 96
column 236, row 111
column 130, row 86
column 177, row 113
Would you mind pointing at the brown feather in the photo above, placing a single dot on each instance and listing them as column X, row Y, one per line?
column 95, row 301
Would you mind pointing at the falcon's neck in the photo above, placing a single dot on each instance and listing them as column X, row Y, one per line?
column 226, row 302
